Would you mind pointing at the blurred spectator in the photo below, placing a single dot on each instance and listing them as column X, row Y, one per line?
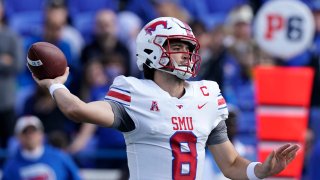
column 82, row 13
column 95, row 82
column 239, row 41
column 114, row 65
column 314, row 121
column 166, row 8
column 239, row 27
column 315, row 64
column 238, row 68
column 88, row 6
column 58, row 139
column 312, row 171
column 25, row 17
column 315, row 7
column 130, row 25
column 92, row 139
column 308, row 150
column 105, row 40
column 211, row 12
column 28, row 6
column 198, row 11
column 57, row 10
column 55, row 19
column 214, row 56
column 203, row 36
column 41, row 105
column 146, row 12
column 52, row 33
column 315, row 54
column 11, row 64
column 99, row 74
column 35, row 160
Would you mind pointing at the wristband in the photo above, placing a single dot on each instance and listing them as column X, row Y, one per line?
column 54, row 87
column 250, row 171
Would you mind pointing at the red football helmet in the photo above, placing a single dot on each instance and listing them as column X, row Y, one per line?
column 160, row 32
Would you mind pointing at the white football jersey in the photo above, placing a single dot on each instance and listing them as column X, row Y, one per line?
column 170, row 134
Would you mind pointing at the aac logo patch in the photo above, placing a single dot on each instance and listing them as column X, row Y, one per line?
column 154, row 106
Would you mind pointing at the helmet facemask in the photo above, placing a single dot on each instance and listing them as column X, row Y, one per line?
column 190, row 67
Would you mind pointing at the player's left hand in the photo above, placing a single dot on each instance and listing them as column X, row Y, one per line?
column 277, row 161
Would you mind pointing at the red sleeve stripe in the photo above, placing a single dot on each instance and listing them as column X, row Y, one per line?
column 119, row 95
column 221, row 101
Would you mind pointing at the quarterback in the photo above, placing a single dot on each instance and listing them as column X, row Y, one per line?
column 166, row 120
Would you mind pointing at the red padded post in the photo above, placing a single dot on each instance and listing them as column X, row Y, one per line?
column 283, row 100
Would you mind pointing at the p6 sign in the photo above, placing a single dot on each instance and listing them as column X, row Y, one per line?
column 284, row 28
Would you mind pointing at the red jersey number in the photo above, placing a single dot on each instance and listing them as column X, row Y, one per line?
column 184, row 151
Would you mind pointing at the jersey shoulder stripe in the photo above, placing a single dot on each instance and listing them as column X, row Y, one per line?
column 221, row 102
column 119, row 95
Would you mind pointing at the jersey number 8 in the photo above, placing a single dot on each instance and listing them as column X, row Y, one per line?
column 184, row 151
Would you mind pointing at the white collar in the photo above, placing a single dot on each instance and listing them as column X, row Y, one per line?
column 33, row 154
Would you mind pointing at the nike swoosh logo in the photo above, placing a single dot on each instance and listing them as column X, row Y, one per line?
column 201, row 106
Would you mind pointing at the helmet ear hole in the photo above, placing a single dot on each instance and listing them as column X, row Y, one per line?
column 148, row 51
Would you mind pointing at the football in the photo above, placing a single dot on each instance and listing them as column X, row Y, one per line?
column 46, row 61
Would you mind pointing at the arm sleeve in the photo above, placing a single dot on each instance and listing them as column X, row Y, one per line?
column 122, row 120
column 219, row 134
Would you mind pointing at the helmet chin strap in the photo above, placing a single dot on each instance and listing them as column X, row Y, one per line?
column 182, row 71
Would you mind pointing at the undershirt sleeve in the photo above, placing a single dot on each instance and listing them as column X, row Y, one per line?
column 218, row 135
column 122, row 120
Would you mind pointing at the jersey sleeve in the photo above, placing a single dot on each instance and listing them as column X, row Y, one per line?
column 119, row 97
column 219, row 134
column 222, row 105
column 122, row 120
column 119, row 92
column 222, row 108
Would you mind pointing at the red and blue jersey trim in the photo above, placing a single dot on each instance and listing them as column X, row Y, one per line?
column 221, row 102
column 119, row 95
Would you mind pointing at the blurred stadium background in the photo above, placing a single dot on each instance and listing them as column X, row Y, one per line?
column 268, row 73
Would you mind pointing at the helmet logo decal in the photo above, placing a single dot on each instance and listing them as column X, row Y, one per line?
column 188, row 29
column 152, row 27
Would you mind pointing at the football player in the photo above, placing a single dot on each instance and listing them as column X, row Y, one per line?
column 166, row 120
